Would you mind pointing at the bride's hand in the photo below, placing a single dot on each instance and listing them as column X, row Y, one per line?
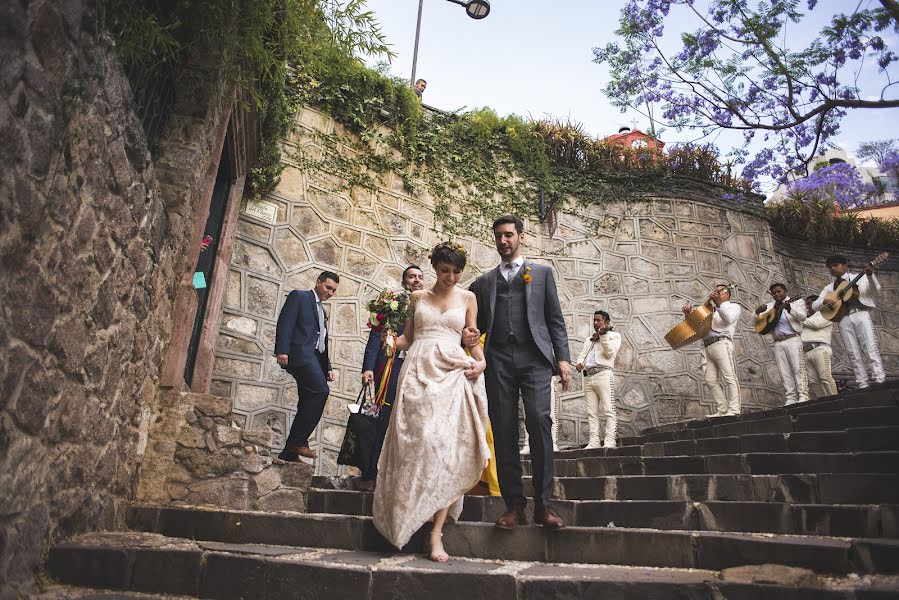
column 475, row 370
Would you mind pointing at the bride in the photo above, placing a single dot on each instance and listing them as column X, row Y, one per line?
column 436, row 445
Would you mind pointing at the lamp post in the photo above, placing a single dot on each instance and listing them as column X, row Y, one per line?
column 476, row 9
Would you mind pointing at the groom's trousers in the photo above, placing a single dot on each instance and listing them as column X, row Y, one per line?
column 514, row 369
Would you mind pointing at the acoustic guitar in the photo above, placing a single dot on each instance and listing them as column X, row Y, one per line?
column 767, row 321
column 847, row 292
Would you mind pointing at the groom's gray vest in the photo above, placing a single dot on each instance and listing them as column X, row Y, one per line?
column 510, row 312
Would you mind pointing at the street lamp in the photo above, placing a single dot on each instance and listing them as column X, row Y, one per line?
column 476, row 9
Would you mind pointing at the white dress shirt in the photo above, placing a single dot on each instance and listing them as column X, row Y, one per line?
column 867, row 287
column 725, row 319
column 817, row 329
column 790, row 320
column 602, row 352
column 510, row 269
column 322, row 326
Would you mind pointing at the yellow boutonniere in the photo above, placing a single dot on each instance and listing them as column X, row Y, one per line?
column 527, row 275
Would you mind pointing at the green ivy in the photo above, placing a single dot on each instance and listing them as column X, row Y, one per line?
column 266, row 48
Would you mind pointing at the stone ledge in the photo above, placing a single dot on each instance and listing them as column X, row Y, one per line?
column 593, row 545
column 241, row 570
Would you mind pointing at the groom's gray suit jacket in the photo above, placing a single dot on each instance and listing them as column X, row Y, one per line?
column 544, row 313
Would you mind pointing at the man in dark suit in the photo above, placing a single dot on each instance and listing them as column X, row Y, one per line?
column 518, row 308
column 301, row 345
column 373, row 365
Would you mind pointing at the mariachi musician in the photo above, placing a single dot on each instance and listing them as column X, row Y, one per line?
column 787, row 318
column 856, row 327
column 718, row 363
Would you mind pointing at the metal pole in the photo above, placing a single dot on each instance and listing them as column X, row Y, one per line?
column 417, row 31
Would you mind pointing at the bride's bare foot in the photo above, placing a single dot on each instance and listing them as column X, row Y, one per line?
column 438, row 554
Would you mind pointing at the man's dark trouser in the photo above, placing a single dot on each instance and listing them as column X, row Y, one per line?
column 371, row 472
column 312, row 388
column 512, row 369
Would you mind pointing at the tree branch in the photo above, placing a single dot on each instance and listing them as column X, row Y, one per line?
column 892, row 7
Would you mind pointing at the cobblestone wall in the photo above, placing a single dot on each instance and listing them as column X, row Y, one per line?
column 91, row 234
column 639, row 261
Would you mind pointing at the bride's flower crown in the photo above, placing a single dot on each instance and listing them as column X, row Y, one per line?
column 449, row 246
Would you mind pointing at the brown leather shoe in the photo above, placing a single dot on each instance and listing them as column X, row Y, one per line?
column 548, row 518
column 512, row 518
column 293, row 453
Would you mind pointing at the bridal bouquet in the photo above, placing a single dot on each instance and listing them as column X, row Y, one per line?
column 388, row 312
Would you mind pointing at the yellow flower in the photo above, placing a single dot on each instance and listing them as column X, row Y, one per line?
column 373, row 319
column 394, row 305
column 527, row 277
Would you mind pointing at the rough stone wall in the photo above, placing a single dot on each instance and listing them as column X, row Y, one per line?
column 640, row 261
column 89, row 242
column 214, row 461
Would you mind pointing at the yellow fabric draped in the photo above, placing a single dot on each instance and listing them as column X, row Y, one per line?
column 489, row 476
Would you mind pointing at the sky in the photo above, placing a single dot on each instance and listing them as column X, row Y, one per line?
column 534, row 58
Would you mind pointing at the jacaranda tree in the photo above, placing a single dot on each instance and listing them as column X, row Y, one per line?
column 738, row 70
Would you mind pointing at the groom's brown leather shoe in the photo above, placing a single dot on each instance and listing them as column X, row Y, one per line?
column 512, row 518
column 548, row 518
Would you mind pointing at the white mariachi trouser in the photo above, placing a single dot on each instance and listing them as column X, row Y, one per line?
column 857, row 331
column 599, row 390
column 820, row 377
column 526, row 447
column 721, row 376
column 791, row 363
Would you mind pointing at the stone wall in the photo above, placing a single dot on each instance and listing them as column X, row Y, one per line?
column 93, row 237
column 197, row 455
column 640, row 261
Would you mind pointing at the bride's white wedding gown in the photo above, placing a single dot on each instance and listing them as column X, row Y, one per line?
column 436, row 444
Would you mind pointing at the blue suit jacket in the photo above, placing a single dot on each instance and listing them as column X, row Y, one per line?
column 297, row 331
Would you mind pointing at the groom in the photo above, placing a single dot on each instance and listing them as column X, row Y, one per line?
column 518, row 308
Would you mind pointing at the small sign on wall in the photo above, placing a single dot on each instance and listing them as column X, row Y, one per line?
column 265, row 211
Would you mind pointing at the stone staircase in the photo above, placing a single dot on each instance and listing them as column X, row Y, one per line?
column 796, row 502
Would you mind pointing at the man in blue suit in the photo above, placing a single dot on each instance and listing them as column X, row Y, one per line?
column 301, row 345
column 373, row 362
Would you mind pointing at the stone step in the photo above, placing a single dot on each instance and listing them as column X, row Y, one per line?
column 589, row 545
column 878, row 416
column 774, row 419
column 858, row 399
column 821, row 488
column 753, row 463
column 760, row 517
column 860, row 439
column 69, row 592
column 226, row 571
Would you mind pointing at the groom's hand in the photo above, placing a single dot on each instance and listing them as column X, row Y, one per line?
column 565, row 374
column 471, row 336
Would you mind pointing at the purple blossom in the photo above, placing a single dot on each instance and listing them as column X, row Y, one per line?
column 840, row 183
column 718, row 85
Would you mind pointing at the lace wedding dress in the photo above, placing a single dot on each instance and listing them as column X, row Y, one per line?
column 436, row 445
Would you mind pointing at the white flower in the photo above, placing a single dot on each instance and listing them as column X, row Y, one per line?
column 373, row 319
column 394, row 305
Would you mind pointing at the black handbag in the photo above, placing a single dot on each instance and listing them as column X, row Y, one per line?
column 361, row 429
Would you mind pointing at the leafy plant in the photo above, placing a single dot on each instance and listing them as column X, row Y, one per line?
column 262, row 38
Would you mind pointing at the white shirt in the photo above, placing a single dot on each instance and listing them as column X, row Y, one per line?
column 790, row 321
column 817, row 329
column 725, row 319
column 322, row 326
column 509, row 273
column 866, row 290
column 602, row 352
